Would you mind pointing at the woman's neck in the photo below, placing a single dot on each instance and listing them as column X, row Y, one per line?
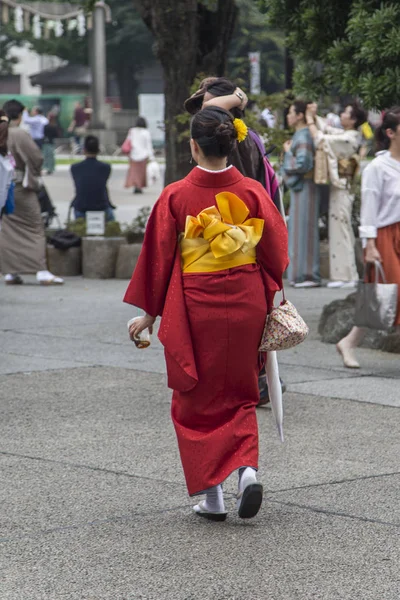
column 216, row 164
column 300, row 126
column 394, row 152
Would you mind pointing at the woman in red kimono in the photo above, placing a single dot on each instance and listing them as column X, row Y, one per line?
column 213, row 257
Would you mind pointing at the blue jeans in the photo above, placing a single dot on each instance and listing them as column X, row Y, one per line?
column 109, row 214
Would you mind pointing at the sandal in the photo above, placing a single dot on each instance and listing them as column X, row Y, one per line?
column 200, row 510
column 13, row 279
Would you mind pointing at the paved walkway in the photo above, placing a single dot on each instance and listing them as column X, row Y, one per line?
column 93, row 504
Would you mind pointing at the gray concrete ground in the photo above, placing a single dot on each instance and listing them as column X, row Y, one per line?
column 61, row 189
column 93, row 504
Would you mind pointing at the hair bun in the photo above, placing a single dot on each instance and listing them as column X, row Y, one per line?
column 225, row 130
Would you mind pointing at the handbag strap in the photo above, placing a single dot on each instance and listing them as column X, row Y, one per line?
column 378, row 271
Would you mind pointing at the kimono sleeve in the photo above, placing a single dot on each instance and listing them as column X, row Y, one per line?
column 272, row 250
column 149, row 284
column 30, row 154
column 340, row 144
column 300, row 160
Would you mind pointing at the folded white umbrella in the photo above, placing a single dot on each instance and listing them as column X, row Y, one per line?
column 275, row 390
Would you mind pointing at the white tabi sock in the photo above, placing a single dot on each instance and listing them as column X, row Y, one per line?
column 214, row 501
column 247, row 476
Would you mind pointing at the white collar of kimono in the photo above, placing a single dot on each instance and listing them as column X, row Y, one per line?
column 210, row 171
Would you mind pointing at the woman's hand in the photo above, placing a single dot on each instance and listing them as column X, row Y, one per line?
column 311, row 111
column 372, row 253
column 139, row 325
column 287, row 145
column 243, row 102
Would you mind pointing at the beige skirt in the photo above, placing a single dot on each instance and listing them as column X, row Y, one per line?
column 136, row 176
column 22, row 238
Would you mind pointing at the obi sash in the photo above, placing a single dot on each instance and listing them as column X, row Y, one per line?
column 220, row 237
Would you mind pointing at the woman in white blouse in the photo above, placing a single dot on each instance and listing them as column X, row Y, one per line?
column 380, row 218
column 141, row 152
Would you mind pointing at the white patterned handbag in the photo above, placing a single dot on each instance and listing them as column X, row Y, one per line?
column 284, row 328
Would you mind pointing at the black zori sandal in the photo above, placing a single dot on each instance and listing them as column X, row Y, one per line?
column 250, row 500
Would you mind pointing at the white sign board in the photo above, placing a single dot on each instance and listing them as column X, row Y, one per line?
column 255, row 74
column 95, row 222
column 151, row 107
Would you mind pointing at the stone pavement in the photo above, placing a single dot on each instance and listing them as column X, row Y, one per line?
column 93, row 504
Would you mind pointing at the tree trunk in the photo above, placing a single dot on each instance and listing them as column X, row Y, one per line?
column 190, row 39
column 127, row 85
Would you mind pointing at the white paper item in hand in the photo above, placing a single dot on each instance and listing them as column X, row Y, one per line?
column 275, row 390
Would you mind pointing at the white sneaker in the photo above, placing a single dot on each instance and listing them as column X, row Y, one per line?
column 335, row 284
column 307, row 284
column 349, row 285
column 47, row 278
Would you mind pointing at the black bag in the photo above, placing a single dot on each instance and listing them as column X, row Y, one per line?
column 47, row 209
column 64, row 239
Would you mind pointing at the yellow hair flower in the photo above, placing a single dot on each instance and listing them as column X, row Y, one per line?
column 367, row 131
column 241, row 129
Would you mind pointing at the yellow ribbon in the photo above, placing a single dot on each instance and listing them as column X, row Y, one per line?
column 220, row 237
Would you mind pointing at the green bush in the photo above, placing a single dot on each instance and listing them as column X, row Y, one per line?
column 112, row 228
column 134, row 233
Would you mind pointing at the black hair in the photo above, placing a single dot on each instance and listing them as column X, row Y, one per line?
column 3, row 133
column 39, row 110
column 13, row 109
column 141, row 122
column 300, row 107
column 358, row 114
column 222, row 86
column 212, row 128
column 92, row 145
column 391, row 120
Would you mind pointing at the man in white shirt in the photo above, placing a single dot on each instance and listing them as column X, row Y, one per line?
column 37, row 122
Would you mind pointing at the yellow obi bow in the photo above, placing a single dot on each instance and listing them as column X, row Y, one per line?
column 220, row 237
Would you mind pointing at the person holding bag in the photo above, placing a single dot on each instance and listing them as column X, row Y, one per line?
column 213, row 256
column 139, row 146
column 380, row 219
column 22, row 238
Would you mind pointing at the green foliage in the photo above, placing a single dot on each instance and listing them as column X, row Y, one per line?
column 134, row 233
column 253, row 34
column 78, row 226
column 350, row 45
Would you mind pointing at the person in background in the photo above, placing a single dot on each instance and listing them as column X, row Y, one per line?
column 50, row 134
column 6, row 163
column 380, row 219
column 36, row 122
column 341, row 147
column 214, row 301
column 22, row 236
column 141, row 152
column 298, row 164
column 268, row 118
column 78, row 125
column 90, row 178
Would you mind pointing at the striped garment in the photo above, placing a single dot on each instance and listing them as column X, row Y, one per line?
column 304, row 209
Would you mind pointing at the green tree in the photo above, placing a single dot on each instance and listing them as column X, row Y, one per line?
column 353, row 45
column 191, row 37
column 254, row 34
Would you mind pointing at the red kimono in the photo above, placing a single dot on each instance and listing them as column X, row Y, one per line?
column 211, row 324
